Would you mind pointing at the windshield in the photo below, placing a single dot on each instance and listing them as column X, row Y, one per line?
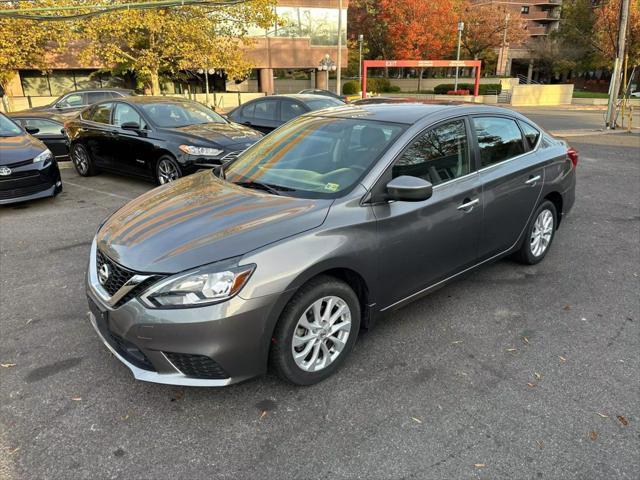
column 8, row 128
column 323, row 103
column 172, row 114
column 314, row 157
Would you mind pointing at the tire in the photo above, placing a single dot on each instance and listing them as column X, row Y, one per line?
column 541, row 227
column 330, row 348
column 83, row 161
column 167, row 170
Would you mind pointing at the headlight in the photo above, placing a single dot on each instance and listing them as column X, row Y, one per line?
column 203, row 286
column 43, row 156
column 200, row 151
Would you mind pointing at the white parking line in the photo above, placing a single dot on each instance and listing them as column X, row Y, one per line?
column 67, row 182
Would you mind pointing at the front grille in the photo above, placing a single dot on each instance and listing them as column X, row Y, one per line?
column 23, row 191
column 197, row 366
column 130, row 352
column 16, row 180
column 135, row 291
column 118, row 275
column 20, row 164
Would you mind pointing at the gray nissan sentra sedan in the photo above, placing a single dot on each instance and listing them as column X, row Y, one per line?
column 280, row 258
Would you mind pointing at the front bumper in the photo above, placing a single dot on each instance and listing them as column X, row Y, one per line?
column 29, row 183
column 208, row 346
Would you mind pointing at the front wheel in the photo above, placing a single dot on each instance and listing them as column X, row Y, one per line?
column 316, row 331
column 167, row 170
column 539, row 234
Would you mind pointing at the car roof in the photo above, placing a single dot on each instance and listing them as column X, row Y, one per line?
column 406, row 113
column 115, row 89
column 38, row 114
column 142, row 99
column 303, row 97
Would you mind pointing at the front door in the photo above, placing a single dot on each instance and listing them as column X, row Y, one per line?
column 51, row 134
column 130, row 150
column 511, row 179
column 422, row 243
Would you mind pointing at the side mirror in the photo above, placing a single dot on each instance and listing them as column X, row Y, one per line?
column 32, row 130
column 134, row 126
column 58, row 106
column 409, row 189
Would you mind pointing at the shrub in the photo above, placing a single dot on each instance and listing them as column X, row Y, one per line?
column 378, row 85
column 351, row 88
column 394, row 88
column 483, row 89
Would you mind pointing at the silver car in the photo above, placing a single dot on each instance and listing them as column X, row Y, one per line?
column 280, row 258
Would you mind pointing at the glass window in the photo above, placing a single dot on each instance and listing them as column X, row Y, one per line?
column 45, row 127
column 438, row 155
column 126, row 113
column 289, row 110
column 265, row 110
column 95, row 97
column 71, row 100
column 531, row 134
column 102, row 113
column 524, row 9
column 324, row 103
column 320, row 163
column 8, row 128
column 180, row 114
column 248, row 111
column 498, row 138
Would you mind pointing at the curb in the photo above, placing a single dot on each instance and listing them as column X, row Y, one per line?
column 586, row 133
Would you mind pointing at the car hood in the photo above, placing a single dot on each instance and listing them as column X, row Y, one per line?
column 201, row 219
column 223, row 134
column 19, row 148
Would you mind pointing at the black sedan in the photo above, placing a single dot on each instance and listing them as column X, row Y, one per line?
column 28, row 169
column 157, row 138
column 268, row 113
column 48, row 127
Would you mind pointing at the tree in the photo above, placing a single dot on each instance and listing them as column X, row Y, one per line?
column 366, row 17
column 576, row 29
column 163, row 41
column 419, row 29
column 26, row 43
column 484, row 28
column 551, row 56
column 606, row 31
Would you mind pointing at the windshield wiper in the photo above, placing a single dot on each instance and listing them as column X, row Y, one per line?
column 267, row 187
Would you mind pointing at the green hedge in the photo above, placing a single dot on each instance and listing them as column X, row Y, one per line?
column 483, row 89
column 378, row 85
column 351, row 87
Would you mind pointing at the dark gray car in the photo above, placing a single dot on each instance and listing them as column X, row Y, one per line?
column 316, row 231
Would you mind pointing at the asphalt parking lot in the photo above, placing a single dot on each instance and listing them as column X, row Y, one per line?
column 514, row 372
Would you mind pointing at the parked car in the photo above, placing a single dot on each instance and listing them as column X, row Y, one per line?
column 159, row 138
column 315, row 232
column 326, row 93
column 73, row 102
column 28, row 169
column 268, row 113
column 50, row 128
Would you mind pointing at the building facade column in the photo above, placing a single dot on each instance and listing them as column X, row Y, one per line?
column 530, row 71
column 265, row 80
column 321, row 80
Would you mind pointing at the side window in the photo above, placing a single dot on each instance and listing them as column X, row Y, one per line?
column 499, row 139
column 531, row 134
column 46, row 127
column 438, row 155
column 266, row 110
column 94, row 97
column 289, row 110
column 102, row 113
column 248, row 111
column 126, row 113
column 71, row 100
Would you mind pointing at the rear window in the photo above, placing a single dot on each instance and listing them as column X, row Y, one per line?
column 323, row 103
column 531, row 134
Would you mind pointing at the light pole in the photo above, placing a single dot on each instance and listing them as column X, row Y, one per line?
column 207, row 72
column 460, row 29
column 327, row 65
column 339, row 67
column 360, row 40
column 503, row 62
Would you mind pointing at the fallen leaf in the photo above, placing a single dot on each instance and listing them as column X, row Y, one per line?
column 76, row 399
column 456, row 342
column 511, row 350
column 583, row 319
column 29, row 321
column 7, row 365
column 178, row 395
column 126, row 417
column 540, row 444
column 562, row 359
column 416, row 419
column 11, row 452
column 263, row 414
column 593, row 435
column 479, row 465
column 567, row 307
column 531, row 385
column 602, row 415
column 537, row 375
column 623, row 420
column 525, row 340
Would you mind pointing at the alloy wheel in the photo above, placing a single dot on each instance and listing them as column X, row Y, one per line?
column 167, row 171
column 541, row 233
column 321, row 333
column 81, row 159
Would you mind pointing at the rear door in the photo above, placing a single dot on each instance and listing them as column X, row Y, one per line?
column 97, row 133
column 51, row 133
column 265, row 115
column 512, row 178
column 290, row 109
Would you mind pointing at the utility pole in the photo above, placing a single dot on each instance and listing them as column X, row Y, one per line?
column 360, row 40
column 460, row 29
column 614, row 86
column 503, row 64
column 339, row 67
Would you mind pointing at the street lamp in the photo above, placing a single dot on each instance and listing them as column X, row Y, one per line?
column 460, row 29
column 206, row 72
column 326, row 64
column 360, row 40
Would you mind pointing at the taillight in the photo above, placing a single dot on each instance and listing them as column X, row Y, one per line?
column 572, row 153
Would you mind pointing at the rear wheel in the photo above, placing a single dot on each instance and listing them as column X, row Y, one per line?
column 82, row 160
column 167, row 170
column 316, row 331
column 539, row 234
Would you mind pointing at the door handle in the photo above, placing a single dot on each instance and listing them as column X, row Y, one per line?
column 469, row 204
column 533, row 180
